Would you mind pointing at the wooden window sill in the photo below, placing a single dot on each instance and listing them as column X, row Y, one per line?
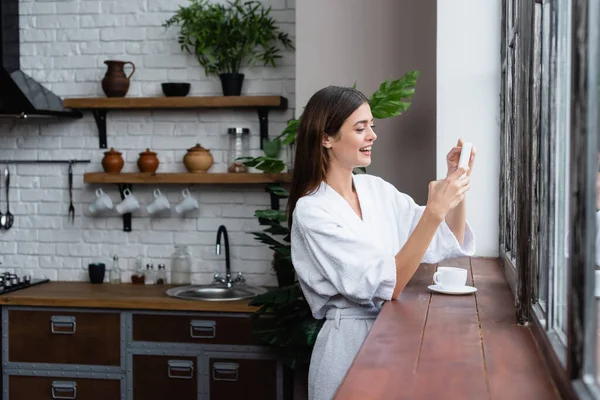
column 427, row 345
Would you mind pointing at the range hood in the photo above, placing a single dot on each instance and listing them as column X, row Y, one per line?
column 21, row 96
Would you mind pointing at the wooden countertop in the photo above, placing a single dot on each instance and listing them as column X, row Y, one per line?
column 431, row 346
column 122, row 296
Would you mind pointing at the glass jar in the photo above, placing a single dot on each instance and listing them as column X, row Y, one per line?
column 161, row 275
column 181, row 266
column 139, row 274
column 290, row 152
column 239, row 146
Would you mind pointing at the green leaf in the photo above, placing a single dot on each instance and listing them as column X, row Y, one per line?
column 274, row 215
column 271, row 148
column 393, row 98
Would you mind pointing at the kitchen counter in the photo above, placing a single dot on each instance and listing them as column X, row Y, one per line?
column 120, row 296
column 431, row 346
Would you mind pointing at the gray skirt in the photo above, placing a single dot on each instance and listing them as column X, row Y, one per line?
column 337, row 344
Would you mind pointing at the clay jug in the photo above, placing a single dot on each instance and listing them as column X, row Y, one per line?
column 198, row 160
column 148, row 162
column 115, row 82
column 113, row 161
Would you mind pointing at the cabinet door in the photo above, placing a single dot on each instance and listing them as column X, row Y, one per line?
column 64, row 337
column 42, row 388
column 165, row 377
column 241, row 378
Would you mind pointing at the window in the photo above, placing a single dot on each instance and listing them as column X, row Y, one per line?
column 550, row 160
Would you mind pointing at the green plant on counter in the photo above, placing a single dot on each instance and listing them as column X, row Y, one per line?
column 225, row 37
column 290, row 327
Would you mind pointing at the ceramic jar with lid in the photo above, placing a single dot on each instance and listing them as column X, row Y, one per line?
column 198, row 160
column 112, row 162
column 148, row 162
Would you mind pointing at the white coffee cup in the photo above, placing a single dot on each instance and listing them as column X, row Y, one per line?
column 188, row 203
column 450, row 277
column 129, row 204
column 103, row 202
column 160, row 203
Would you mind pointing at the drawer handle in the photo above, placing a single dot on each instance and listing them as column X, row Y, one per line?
column 225, row 371
column 201, row 329
column 64, row 390
column 62, row 325
column 181, row 369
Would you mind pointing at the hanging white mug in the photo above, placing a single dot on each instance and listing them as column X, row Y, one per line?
column 188, row 203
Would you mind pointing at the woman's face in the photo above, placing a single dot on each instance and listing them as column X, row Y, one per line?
column 352, row 146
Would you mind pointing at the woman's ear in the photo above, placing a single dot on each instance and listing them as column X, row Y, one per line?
column 326, row 141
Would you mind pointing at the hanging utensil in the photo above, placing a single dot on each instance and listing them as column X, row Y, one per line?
column 71, row 207
column 9, row 217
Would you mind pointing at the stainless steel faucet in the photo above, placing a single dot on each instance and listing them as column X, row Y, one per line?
column 227, row 281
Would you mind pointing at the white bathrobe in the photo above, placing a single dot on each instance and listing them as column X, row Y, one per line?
column 346, row 266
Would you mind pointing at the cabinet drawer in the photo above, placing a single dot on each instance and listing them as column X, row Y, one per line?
column 50, row 388
column 237, row 378
column 59, row 337
column 193, row 329
column 165, row 377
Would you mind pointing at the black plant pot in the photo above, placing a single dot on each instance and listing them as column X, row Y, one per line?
column 232, row 84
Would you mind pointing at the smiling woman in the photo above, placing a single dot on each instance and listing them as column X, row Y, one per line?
column 356, row 241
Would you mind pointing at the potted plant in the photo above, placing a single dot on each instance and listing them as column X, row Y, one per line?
column 291, row 328
column 226, row 37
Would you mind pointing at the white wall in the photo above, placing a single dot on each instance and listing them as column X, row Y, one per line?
column 345, row 41
column 468, row 93
column 63, row 45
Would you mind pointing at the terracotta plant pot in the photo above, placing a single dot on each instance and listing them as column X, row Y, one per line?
column 115, row 82
column 198, row 160
column 148, row 162
column 113, row 161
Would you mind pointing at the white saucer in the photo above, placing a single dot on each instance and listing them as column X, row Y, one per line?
column 458, row 290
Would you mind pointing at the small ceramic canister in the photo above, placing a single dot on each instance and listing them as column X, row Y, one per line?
column 113, row 161
column 198, row 160
column 148, row 162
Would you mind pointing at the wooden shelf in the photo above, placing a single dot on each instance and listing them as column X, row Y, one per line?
column 185, row 178
column 99, row 106
column 138, row 103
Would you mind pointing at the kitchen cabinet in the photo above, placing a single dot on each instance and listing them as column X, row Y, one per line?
column 42, row 388
column 85, row 353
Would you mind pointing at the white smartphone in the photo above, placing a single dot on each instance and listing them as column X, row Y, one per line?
column 465, row 155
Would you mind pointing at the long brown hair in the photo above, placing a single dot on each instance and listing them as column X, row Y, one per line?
column 324, row 114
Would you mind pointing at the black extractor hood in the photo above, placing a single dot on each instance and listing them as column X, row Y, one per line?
column 21, row 96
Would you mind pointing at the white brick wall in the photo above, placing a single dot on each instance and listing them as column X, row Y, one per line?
column 64, row 45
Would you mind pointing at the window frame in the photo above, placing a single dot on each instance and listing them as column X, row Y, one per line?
column 527, row 133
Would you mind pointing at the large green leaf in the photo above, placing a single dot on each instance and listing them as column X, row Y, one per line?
column 393, row 98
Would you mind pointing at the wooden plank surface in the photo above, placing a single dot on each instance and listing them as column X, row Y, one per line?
column 385, row 364
column 432, row 346
column 174, row 102
column 122, row 296
column 515, row 369
column 186, row 178
column 451, row 362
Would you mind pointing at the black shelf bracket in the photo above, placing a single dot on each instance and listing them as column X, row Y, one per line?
column 263, row 120
column 100, row 117
column 127, row 216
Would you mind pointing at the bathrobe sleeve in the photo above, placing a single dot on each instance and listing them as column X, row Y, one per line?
column 334, row 260
column 444, row 244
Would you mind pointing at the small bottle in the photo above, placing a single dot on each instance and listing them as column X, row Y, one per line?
column 138, row 276
column 161, row 275
column 181, row 266
column 115, row 272
column 149, row 274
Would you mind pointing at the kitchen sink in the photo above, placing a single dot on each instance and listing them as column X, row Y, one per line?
column 215, row 292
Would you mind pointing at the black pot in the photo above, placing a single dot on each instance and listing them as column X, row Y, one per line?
column 232, row 84
column 96, row 272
